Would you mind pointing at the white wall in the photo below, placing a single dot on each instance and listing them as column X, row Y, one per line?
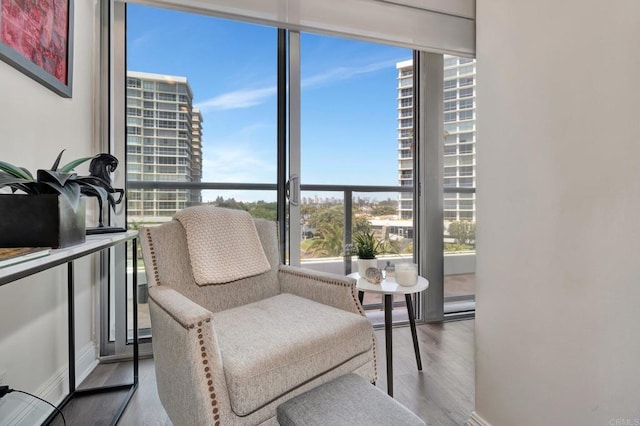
column 35, row 124
column 558, row 289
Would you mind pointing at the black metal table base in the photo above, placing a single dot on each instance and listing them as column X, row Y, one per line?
column 131, row 387
column 388, row 327
column 414, row 334
column 388, row 338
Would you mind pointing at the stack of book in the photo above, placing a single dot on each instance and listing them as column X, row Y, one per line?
column 13, row 255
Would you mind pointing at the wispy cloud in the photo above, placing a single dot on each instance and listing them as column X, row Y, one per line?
column 238, row 158
column 343, row 73
column 245, row 98
column 237, row 164
column 142, row 41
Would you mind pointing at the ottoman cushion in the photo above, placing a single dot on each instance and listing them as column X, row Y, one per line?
column 347, row 400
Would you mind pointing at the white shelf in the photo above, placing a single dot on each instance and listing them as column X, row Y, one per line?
column 93, row 244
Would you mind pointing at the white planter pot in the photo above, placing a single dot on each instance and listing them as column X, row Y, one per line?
column 364, row 264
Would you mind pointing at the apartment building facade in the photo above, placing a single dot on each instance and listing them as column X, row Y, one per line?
column 459, row 137
column 164, row 143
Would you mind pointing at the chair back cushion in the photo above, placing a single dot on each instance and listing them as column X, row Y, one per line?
column 167, row 262
column 223, row 244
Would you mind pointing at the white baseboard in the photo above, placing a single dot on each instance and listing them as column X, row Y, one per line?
column 54, row 389
column 57, row 387
column 476, row 420
column 87, row 361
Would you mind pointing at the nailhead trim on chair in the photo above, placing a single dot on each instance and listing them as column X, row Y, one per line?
column 356, row 301
column 323, row 280
column 205, row 362
column 373, row 339
column 154, row 261
column 157, row 278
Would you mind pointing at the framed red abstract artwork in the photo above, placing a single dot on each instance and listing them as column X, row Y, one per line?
column 36, row 37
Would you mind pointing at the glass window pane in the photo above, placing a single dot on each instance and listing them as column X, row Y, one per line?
column 211, row 119
column 225, row 112
column 459, row 201
column 366, row 140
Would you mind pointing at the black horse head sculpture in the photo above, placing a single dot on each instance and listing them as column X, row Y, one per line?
column 100, row 168
column 103, row 164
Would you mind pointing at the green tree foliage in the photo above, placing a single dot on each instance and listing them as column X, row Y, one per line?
column 328, row 223
column 407, row 248
column 264, row 210
column 396, row 246
column 230, row 203
column 463, row 232
column 360, row 224
column 322, row 215
column 384, row 208
column 328, row 240
column 334, row 214
column 259, row 209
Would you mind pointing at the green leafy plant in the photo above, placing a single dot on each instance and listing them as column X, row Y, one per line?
column 56, row 180
column 365, row 245
column 463, row 232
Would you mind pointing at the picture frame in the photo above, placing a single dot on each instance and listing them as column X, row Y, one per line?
column 36, row 38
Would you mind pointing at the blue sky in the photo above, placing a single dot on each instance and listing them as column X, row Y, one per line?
column 349, row 115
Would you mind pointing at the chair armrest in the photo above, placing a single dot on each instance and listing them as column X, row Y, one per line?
column 188, row 362
column 329, row 289
column 183, row 310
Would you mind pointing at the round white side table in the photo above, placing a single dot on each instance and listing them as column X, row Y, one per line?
column 389, row 287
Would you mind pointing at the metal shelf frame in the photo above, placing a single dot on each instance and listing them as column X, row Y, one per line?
column 93, row 244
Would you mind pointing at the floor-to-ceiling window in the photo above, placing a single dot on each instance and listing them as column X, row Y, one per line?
column 201, row 126
column 353, row 140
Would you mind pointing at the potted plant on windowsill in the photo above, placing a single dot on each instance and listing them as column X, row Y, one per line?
column 367, row 248
column 48, row 210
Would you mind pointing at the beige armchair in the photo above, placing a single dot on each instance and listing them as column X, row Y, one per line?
column 236, row 333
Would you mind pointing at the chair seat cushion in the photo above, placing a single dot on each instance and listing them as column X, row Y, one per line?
column 274, row 345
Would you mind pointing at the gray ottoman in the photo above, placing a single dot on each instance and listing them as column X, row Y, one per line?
column 348, row 400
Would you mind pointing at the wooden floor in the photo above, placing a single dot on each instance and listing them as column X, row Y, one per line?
column 442, row 394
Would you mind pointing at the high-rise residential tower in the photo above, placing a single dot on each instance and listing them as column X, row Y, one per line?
column 405, row 137
column 459, row 137
column 164, row 143
column 196, row 153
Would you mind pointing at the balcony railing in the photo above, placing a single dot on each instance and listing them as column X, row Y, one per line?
column 459, row 286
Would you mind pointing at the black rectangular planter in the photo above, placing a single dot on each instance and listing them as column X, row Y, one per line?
column 44, row 220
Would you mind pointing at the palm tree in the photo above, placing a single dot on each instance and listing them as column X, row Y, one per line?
column 328, row 240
